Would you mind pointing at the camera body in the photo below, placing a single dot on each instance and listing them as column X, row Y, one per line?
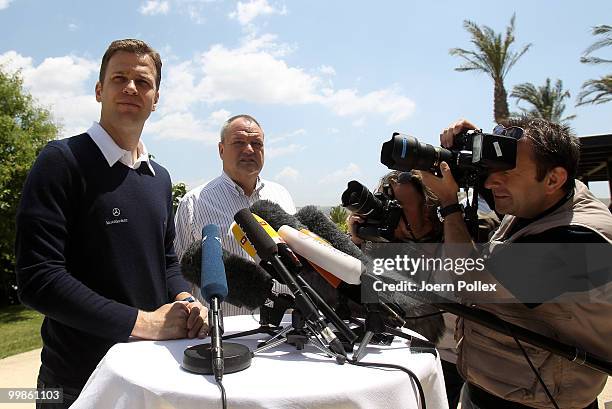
column 380, row 210
column 473, row 153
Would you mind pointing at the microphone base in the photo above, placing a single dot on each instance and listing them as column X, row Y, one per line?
column 198, row 358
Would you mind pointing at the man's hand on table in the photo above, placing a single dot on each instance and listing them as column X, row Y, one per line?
column 180, row 319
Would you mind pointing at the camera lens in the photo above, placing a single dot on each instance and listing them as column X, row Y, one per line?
column 404, row 152
column 359, row 200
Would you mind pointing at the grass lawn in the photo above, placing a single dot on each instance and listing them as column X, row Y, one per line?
column 20, row 329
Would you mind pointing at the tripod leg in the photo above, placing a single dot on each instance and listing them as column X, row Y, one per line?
column 367, row 337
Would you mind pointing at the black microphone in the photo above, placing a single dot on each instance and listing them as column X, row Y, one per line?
column 213, row 286
column 267, row 250
column 249, row 285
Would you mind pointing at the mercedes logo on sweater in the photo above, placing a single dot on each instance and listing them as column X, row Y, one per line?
column 116, row 212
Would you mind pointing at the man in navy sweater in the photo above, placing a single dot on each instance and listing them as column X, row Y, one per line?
column 95, row 233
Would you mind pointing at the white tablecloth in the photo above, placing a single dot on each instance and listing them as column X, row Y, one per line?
column 148, row 374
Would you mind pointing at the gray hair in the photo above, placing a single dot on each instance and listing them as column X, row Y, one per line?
column 227, row 124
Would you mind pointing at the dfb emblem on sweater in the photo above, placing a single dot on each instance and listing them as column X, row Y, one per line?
column 116, row 212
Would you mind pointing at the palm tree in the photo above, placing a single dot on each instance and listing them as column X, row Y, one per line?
column 546, row 101
column 338, row 215
column 492, row 56
column 597, row 91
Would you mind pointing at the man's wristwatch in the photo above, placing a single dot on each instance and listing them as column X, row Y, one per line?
column 450, row 209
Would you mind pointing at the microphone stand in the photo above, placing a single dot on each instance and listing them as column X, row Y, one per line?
column 299, row 333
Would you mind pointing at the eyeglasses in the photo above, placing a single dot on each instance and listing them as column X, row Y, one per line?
column 514, row 132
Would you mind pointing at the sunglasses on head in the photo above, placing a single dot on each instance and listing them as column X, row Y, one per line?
column 514, row 132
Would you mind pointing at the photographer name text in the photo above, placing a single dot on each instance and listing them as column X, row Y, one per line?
column 411, row 286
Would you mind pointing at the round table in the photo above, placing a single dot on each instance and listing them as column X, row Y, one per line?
column 148, row 374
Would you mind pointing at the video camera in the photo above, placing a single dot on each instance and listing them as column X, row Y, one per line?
column 472, row 154
column 380, row 210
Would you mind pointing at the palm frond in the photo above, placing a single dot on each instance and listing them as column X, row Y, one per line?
column 606, row 31
column 597, row 91
column 546, row 101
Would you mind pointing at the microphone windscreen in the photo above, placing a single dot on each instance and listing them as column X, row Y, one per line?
column 262, row 242
column 274, row 214
column 191, row 263
column 249, row 284
column 214, row 282
column 322, row 225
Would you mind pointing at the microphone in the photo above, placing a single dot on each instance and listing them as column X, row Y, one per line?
column 277, row 217
column 209, row 358
column 288, row 257
column 320, row 224
column 343, row 266
column 249, row 285
column 214, row 291
column 267, row 250
column 311, row 221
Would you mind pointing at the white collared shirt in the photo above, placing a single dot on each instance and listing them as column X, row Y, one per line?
column 216, row 202
column 113, row 152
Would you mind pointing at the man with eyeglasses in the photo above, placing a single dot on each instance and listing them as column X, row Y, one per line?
column 241, row 149
column 542, row 203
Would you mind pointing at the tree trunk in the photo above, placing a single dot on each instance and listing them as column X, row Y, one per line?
column 500, row 102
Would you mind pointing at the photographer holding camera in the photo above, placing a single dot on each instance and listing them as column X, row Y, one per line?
column 542, row 203
column 418, row 220
column 418, row 223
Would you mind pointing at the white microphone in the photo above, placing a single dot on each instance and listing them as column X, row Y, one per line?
column 341, row 265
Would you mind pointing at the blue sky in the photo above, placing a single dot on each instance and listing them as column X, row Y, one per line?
column 329, row 81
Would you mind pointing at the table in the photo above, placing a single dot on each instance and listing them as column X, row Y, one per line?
column 148, row 374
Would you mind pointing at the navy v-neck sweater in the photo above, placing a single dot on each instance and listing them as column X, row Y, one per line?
column 94, row 244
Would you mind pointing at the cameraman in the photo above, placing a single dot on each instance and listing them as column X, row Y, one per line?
column 542, row 203
column 419, row 221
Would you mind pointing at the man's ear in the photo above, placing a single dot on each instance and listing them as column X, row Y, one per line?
column 155, row 101
column 221, row 150
column 555, row 179
column 99, row 91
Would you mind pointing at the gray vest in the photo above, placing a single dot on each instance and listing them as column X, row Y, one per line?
column 493, row 361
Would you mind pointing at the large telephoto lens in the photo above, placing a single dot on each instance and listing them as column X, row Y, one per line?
column 405, row 153
column 359, row 200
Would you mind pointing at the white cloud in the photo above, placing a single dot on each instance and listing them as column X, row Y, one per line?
column 283, row 150
column 327, row 70
column 256, row 72
column 247, row 11
column 72, row 27
column 254, row 77
column 358, row 123
column 183, row 125
column 341, row 175
column 387, row 102
column 297, row 132
column 287, row 174
column 64, row 85
column 177, row 88
column 153, row 7
column 4, row 4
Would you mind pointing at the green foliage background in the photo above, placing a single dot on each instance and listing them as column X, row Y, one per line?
column 25, row 128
